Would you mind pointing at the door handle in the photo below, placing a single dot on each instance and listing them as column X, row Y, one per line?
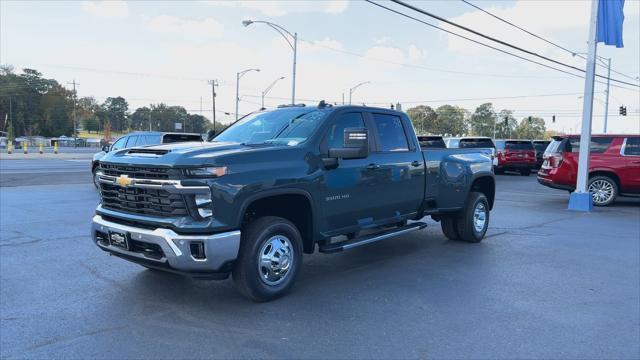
column 373, row 166
column 416, row 163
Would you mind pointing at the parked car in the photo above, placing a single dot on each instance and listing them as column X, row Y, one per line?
column 540, row 146
column 140, row 138
column 614, row 166
column 515, row 155
column 483, row 144
column 280, row 183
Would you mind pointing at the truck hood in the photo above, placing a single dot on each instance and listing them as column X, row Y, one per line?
column 176, row 154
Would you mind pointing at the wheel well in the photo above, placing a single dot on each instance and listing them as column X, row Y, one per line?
column 487, row 186
column 607, row 174
column 293, row 207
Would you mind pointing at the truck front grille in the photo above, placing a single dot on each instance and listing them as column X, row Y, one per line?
column 136, row 172
column 140, row 200
column 154, row 202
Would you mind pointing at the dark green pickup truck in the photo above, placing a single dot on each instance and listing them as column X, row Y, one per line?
column 280, row 183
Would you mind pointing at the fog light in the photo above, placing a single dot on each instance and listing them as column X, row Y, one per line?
column 204, row 205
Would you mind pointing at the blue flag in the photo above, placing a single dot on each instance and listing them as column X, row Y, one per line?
column 610, row 19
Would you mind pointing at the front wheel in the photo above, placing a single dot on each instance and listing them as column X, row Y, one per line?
column 269, row 259
column 473, row 222
column 603, row 189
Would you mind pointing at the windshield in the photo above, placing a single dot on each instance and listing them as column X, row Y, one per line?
column 283, row 126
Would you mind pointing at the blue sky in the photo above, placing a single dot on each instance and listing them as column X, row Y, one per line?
column 165, row 51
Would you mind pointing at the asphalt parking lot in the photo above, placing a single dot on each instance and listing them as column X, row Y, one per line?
column 545, row 283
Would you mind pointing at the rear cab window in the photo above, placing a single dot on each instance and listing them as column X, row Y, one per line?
column 173, row 138
column 431, row 142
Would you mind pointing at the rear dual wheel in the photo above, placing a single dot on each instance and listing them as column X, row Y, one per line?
column 471, row 223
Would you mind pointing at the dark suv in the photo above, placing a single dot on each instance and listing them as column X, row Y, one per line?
column 540, row 146
column 515, row 155
column 140, row 138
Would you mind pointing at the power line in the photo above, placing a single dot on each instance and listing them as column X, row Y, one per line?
column 573, row 53
column 489, row 38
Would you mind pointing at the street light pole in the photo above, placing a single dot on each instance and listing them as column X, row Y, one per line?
column 266, row 91
column 292, row 40
column 353, row 89
column 606, row 105
column 238, row 76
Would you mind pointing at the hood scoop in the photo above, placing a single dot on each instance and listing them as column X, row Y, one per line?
column 148, row 152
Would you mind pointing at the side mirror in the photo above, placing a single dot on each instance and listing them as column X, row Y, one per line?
column 105, row 148
column 356, row 144
column 210, row 135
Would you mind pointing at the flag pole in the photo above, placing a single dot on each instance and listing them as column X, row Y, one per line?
column 581, row 200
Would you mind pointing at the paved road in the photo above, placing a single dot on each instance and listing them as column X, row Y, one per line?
column 44, row 172
column 546, row 283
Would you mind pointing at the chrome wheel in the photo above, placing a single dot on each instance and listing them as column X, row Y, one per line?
column 479, row 217
column 275, row 259
column 601, row 191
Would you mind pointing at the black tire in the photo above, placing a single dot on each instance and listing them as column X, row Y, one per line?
column 525, row 172
column 247, row 275
column 449, row 227
column 608, row 190
column 95, row 180
column 465, row 222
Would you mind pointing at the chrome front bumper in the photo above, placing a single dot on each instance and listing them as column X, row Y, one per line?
column 220, row 249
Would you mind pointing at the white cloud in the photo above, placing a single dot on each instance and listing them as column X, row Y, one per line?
column 540, row 17
column 382, row 40
column 390, row 56
column 415, row 54
column 111, row 9
column 384, row 54
column 171, row 24
column 336, row 6
column 275, row 8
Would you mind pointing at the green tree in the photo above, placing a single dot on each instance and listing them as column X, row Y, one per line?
column 115, row 109
column 531, row 127
column 450, row 121
column 483, row 120
column 91, row 123
column 506, row 125
column 424, row 119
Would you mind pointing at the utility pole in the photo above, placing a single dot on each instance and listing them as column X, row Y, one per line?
column 213, row 84
column 75, row 125
column 606, row 104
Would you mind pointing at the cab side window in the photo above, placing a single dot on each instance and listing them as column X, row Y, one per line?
column 335, row 137
column 120, row 144
column 390, row 133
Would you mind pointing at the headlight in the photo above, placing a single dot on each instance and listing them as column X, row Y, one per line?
column 212, row 171
column 204, row 205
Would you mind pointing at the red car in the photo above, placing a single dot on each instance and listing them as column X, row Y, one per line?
column 614, row 166
column 516, row 155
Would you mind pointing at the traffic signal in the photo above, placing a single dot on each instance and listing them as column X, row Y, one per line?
column 553, row 118
column 623, row 110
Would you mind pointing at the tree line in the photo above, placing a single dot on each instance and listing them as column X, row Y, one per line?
column 484, row 121
column 33, row 105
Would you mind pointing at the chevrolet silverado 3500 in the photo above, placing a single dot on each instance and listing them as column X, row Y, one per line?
column 280, row 183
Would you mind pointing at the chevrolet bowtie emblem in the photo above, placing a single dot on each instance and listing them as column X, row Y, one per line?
column 123, row 180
